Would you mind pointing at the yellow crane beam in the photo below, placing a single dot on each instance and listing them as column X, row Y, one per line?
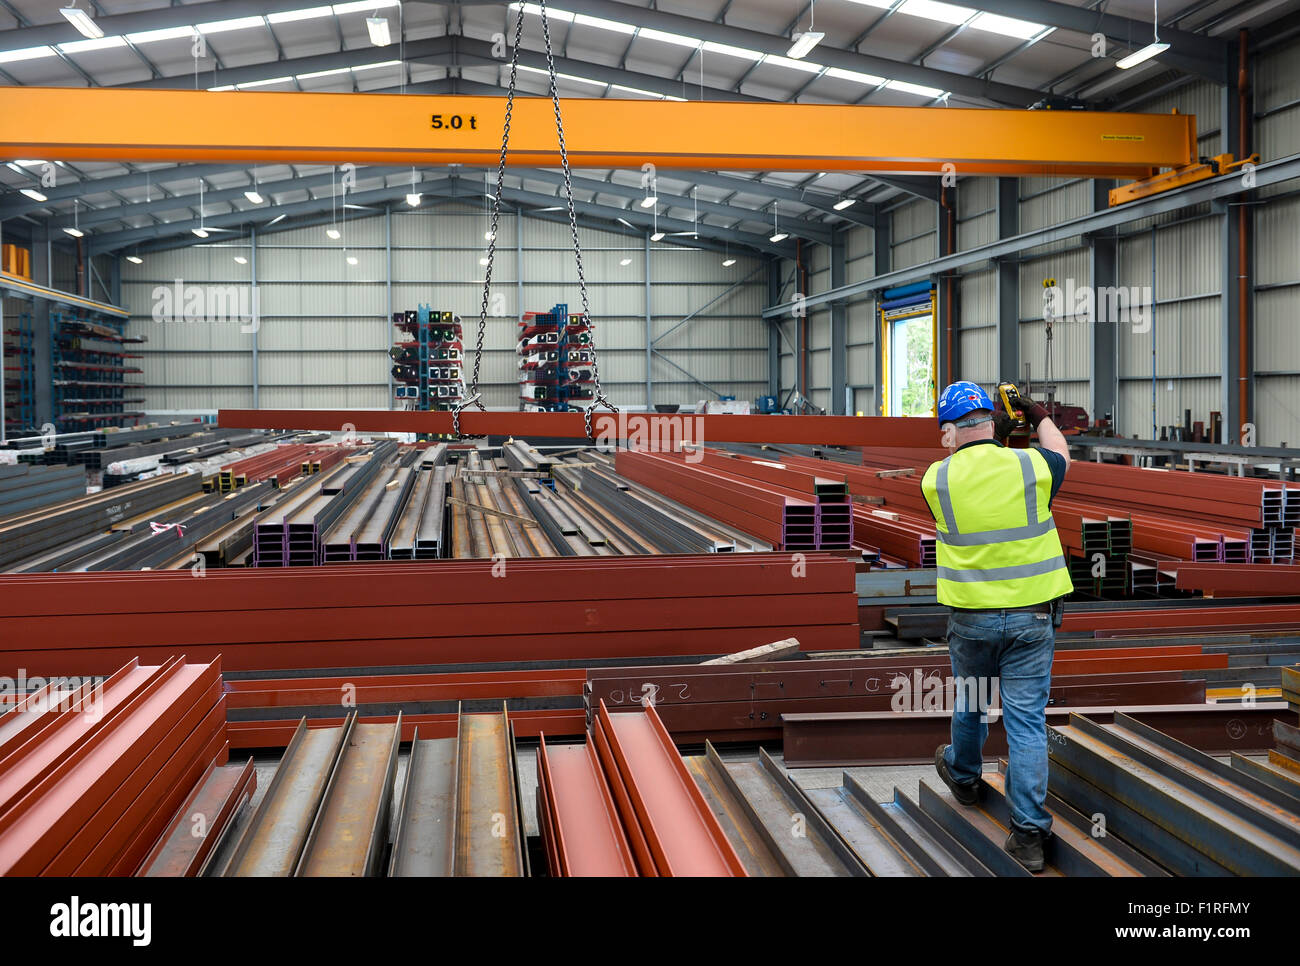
column 122, row 124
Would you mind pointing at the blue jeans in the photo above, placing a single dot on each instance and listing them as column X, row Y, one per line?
column 1016, row 648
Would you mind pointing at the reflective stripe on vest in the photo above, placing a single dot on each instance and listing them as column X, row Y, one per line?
column 955, row 538
column 1010, row 564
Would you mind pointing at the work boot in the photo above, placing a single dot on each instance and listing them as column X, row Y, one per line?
column 1027, row 848
column 966, row 793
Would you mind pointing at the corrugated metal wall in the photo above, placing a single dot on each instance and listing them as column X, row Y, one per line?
column 977, row 331
column 324, row 328
column 1170, row 360
column 1277, row 266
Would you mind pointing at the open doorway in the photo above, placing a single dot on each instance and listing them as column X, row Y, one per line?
column 910, row 365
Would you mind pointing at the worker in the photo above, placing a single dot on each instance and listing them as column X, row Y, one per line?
column 1003, row 574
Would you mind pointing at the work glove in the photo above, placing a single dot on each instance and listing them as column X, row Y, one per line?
column 1003, row 426
column 1034, row 412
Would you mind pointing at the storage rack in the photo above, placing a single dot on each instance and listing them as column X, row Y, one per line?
column 555, row 361
column 20, row 375
column 89, row 363
column 427, row 364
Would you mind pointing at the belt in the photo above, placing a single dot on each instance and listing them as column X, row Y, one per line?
column 1043, row 608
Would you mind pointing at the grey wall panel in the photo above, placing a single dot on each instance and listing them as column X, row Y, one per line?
column 1279, row 415
column 324, row 331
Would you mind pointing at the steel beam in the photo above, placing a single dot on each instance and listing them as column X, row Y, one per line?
column 839, row 330
column 1008, row 282
column 114, row 124
column 709, row 30
column 1269, row 173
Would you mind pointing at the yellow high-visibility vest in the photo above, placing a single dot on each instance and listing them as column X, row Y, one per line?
column 996, row 543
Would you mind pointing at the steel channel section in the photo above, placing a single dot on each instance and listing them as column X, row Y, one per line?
column 752, row 845
column 217, row 796
column 794, row 830
column 487, row 827
column 975, row 830
column 350, row 830
column 1238, row 787
column 273, row 840
column 425, row 829
column 683, row 835
column 907, row 819
column 609, row 763
column 863, row 833
column 583, row 821
column 872, row 738
column 1165, row 847
column 35, row 829
column 1163, row 800
column 141, row 806
column 1278, row 779
column 1072, row 850
column 812, row 430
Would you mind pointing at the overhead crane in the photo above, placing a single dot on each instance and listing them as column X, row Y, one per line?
column 1158, row 151
column 122, row 124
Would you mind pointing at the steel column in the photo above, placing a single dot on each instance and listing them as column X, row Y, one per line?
column 257, row 311
column 773, row 336
column 649, row 333
column 839, row 328
column 388, row 290
column 1008, row 281
column 1103, row 256
column 882, row 246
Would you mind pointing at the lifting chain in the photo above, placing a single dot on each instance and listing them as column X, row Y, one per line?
column 473, row 390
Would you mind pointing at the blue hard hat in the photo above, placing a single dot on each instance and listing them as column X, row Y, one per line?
column 961, row 398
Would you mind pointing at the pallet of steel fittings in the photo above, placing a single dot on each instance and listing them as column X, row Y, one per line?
column 428, row 360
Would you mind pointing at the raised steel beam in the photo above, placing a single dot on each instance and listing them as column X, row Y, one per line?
column 1189, row 52
column 707, row 305
column 863, row 213
column 882, row 255
column 707, row 30
column 773, row 266
column 1212, row 189
column 1103, row 255
column 839, row 330
column 415, row 50
column 1008, row 281
column 172, row 203
column 15, row 205
column 159, row 18
column 803, row 229
column 116, row 240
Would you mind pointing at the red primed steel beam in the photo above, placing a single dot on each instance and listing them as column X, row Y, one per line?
column 217, row 796
column 807, row 430
column 123, row 848
column 300, row 692
column 35, row 830
column 526, row 724
column 1239, row 580
column 1181, row 618
column 462, row 581
column 682, row 832
column 645, row 860
column 433, row 649
column 215, row 627
column 587, row 834
column 873, row 737
column 39, row 747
